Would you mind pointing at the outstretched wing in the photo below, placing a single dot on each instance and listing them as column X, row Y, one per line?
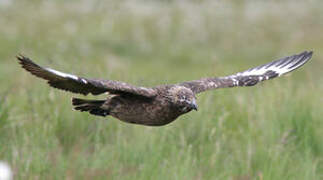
column 81, row 85
column 251, row 76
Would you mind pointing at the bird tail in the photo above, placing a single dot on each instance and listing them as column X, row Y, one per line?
column 92, row 106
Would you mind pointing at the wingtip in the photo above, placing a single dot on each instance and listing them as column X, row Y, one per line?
column 307, row 53
column 310, row 53
column 22, row 59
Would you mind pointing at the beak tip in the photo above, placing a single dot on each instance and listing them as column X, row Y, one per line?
column 195, row 107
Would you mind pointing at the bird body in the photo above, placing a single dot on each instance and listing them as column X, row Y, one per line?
column 156, row 111
column 158, row 105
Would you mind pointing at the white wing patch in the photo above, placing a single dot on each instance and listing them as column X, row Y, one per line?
column 281, row 66
column 64, row 75
column 235, row 81
column 84, row 81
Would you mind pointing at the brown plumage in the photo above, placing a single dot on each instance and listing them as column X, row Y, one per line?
column 158, row 105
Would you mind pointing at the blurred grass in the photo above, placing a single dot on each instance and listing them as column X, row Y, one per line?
column 272, row 131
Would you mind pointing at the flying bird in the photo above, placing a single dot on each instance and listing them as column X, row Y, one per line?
column 154, row 106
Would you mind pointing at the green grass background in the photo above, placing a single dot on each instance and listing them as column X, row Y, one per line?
column 271, row 131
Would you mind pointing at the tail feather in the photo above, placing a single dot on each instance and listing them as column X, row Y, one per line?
column 92, row 106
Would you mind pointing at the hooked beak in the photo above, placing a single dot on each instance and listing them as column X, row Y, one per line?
column 194, row 105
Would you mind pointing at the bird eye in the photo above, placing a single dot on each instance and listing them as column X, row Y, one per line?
column 182, row 98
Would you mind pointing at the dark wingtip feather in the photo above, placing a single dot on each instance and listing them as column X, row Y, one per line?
column 22, row 58
column 307, row 54
column 303, row 58
column 310, row 53
column 26, row 63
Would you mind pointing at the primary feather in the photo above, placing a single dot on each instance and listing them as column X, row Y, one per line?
column 281, row 66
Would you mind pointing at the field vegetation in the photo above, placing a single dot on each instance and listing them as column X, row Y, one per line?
column 271, row 131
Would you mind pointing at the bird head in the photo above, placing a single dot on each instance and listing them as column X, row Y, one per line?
column 183, row 98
